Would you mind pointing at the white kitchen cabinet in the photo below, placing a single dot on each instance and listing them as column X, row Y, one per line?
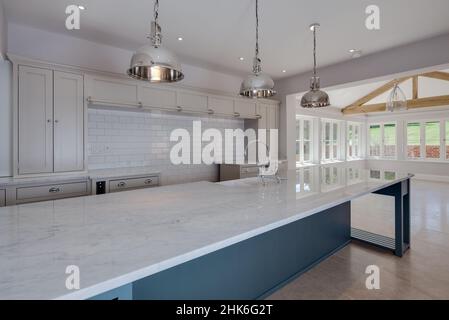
column 117, row 185
column 68, row 122
column 51, row 192
column 269, row 115
column 160, row 98
column 268, row 118
column 112, row 91
column 272, row 117
column 245, row 109
column 50, row 121
column 221, row 106
column 194, row 102
column 35, row 117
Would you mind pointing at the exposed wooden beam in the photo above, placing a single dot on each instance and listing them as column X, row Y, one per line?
column 375, row 93
column 415, row 87
column 411, row 104
column 437, row 75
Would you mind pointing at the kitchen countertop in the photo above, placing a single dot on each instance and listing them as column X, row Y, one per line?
column 122, row 237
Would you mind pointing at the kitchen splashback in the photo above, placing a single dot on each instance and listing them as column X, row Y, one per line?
column 119, row 139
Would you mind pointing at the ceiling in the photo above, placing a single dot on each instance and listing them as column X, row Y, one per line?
column 343, row 97
column 217, row 32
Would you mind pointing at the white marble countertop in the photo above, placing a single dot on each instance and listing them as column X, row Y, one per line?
column 118, row 238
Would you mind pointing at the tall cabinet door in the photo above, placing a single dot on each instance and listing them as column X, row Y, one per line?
column 68, row 122
column 35, row 114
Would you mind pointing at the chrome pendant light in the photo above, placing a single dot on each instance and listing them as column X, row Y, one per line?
column 315, row 98
column 154, row 63
column 397, row 100
column 258, row 84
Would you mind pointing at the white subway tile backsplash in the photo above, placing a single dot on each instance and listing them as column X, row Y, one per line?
column 129, row 139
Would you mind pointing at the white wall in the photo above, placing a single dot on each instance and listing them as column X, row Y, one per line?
column 3, row 32
column 58, row 48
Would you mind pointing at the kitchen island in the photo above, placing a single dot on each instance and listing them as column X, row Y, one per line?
column 231, row 240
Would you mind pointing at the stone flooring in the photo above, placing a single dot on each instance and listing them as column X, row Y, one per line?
column 423, row 273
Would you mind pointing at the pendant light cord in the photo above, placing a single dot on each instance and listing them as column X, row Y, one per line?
column 257, row 28
column 156, row 11
column 314, row 51
column 256, row 65
column 156, row 36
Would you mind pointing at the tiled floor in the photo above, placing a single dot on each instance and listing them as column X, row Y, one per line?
column 423, row 273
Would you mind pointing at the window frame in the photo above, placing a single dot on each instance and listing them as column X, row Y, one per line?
column 353, row 125
column 422, row 140
column 334, row 142
column 301, row 141
column 382, row 140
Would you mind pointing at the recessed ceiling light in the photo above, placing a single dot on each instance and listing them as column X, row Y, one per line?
column 284, row 71
column 180, row 38
column 356, row 53
column 82, row 7
column 241, row 58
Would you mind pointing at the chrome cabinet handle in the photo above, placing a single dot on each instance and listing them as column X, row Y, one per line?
column 179, row 108
column 49, row 121
column 210, row 111
column 121, row 184
column 236, row 114
column 258, row 116
column 148, row 181
column 54, row 190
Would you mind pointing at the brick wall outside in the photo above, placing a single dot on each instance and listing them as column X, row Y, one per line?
column 432, row 152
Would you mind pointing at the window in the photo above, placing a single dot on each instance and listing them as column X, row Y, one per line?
column 304, row 135
column 428, row 140
column 330, row 141
column 354, row 141
column 389, row 140
column 432, row 134
column 374, row 140
column 382, row 140
column 413, row 140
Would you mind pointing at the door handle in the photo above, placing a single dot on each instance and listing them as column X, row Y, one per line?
column 54, row 190
column 121, row 184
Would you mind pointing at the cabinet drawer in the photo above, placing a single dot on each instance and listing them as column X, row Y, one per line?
column 113, row 90
column 249, row 170
column 53, row 191
column 133, row 183
column 157, row 98
column 192, row 102
column 2, row 198
column 245, row 109
column 221, row 106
